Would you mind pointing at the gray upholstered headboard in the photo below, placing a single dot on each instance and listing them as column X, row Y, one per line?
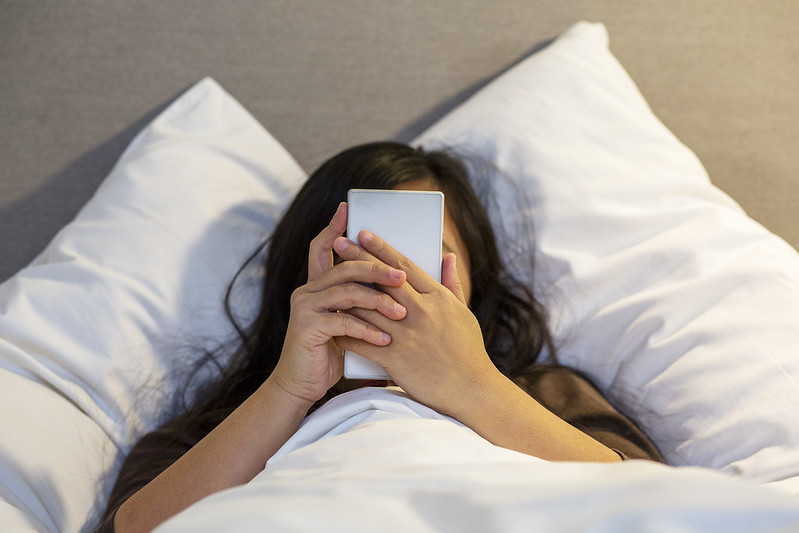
column 79, row 79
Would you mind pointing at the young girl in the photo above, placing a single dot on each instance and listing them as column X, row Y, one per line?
column 466, row 347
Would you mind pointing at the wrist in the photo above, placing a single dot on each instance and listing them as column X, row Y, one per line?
column 507, row 416
column 275, row 393
column 481, row 390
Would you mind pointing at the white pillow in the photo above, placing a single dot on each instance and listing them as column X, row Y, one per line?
column 110, row 312
column 684, row 310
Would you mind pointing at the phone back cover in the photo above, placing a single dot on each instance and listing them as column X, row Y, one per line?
column 412, row 222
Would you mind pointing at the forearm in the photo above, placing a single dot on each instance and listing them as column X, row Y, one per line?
column 232, row 454
column 505, row 415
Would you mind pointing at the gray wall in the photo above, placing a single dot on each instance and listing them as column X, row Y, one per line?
column 79, row 79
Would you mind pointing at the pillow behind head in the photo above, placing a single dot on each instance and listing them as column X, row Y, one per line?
column 682, row 309
column 116, row 308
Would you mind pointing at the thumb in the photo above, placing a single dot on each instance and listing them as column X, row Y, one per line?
column 450, row 278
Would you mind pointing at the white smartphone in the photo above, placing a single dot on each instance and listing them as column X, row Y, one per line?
column 411, row 222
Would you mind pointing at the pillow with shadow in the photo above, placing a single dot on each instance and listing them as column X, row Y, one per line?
column 681, row 308
column 112, row 312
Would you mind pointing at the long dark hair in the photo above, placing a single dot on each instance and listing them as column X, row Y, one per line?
column 512, row 321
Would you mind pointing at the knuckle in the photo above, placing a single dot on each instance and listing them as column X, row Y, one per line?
column 355, row 251
column 349, row 293
column 404, row 262
column 296, row 296
column 388, row 303
column 353, row 326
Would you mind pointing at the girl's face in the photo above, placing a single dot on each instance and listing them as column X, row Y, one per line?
column 451, row 240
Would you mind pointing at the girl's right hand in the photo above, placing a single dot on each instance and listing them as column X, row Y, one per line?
column 311, row 362
column 438, row 355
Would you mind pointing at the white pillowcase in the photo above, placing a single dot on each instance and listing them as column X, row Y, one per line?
column 112, row 310
column 684, row 310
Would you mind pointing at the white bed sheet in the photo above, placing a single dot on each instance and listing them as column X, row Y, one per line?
column 374, row 460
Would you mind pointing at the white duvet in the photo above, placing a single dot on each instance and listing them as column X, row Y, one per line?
column 374, row 460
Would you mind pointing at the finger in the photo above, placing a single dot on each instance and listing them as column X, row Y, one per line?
column 320, row 252
column 364, row 348
column 368, row 349
column 359, row 272
column 417, row 278
column 350, row 251
column 345, row 325
column 372, row 317
column 450, row 278
column 348, row 296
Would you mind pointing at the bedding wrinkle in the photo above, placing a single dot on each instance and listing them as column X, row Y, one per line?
column 351, row 409
column 453, row 480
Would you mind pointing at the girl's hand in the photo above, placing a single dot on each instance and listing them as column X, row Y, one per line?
column 311, row 360
column 437, row 351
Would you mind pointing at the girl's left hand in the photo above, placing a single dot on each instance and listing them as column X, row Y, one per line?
column 437, row 351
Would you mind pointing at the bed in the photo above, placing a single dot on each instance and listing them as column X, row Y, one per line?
column 661, row 287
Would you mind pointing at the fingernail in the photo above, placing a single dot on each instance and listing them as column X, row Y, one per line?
column 365, row 236
column 385, row 337
column 399, row 308
column 396, row 274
